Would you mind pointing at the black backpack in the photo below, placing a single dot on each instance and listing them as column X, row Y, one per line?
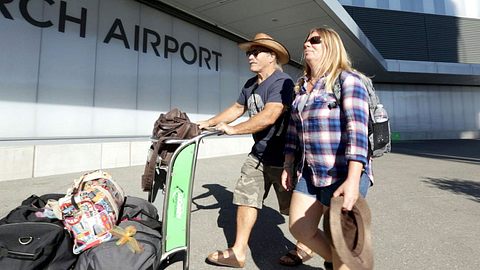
column 379, row 133
column 30, row 241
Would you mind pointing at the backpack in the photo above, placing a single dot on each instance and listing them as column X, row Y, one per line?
column 379, row 133
column 31, row 240
column 175, row 124
column 144, row 216
column 91, row 208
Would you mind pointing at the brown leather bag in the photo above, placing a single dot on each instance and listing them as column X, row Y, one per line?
column 175, row 124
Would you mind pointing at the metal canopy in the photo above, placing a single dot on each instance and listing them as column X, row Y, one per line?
column 288, row 21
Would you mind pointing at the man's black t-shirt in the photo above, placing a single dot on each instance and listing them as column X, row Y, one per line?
column 269, row 143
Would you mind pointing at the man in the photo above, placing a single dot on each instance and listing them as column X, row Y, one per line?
column 266, row 96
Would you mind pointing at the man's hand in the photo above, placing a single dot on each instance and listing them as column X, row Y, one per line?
column 203, row 124
column 229, row 130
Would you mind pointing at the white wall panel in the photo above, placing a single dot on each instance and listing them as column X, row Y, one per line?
column 11, row 114
column 422, row 116
column 436, row 110
column 400, row 110
column 429, row 6
column 184, row 76
column 447, row 110
column 371, row 3
column 116, row 67
column 229, row 69
column 431, row 111
column 468, row 104
column 477, row 109
column 19, row 60
column 458, row 115
column 114, row 122
column 154, row 72
column 395, row 5
column 66, row 75
column 19, row 54
column 16, row 162
column 58, row 159
column 452, row 7
column 386, row 98
column 209, row 84
column 383, row 4
column 244, row 72
column 53, row 120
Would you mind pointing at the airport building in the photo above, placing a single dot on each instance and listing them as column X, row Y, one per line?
column 82, row 82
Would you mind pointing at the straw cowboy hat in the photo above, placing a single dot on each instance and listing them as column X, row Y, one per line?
column 350, row 233
column 264, row 40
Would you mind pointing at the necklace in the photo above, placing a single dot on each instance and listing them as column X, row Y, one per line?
column 312, row 81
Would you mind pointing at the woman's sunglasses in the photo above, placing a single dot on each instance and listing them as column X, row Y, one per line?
column 255, row 52
column 314, row 40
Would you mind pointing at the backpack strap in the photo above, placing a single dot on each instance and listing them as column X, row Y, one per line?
column 337, row 88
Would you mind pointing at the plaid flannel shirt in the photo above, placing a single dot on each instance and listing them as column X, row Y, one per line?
column 326, row 137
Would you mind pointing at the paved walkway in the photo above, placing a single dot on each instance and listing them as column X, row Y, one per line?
column 425, row 208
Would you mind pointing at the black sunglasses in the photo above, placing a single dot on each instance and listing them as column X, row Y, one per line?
column 314, row 40
column 255, row 52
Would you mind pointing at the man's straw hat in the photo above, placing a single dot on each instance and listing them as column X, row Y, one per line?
column 264, row 40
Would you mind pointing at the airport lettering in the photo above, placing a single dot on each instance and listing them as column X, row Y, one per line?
column 147, row 39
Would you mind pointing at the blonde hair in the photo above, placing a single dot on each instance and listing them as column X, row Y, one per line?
column 334, row 60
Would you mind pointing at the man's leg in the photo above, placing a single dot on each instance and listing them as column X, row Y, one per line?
column 246, row 218
column 248, row 195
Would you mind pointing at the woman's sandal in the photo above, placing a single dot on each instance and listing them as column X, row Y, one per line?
column 295, row 257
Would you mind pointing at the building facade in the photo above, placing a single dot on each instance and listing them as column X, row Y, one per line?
column 82, row 82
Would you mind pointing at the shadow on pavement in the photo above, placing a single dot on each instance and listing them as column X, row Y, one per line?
column 267, row 242
column 453, row 150
column 458, row 186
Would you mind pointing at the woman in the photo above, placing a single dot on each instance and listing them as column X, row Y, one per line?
column 327, row 143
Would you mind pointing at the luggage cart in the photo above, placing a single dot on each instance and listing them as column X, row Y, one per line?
column 176, row 198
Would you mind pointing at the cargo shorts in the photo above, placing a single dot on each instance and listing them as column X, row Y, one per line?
column 255, row 182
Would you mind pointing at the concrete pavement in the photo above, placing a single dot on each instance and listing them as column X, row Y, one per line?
column 425, row 208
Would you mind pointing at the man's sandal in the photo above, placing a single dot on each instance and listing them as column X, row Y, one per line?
column 218, row 258
column 295, row 257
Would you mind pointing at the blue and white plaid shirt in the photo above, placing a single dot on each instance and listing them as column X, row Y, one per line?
column 328, row 137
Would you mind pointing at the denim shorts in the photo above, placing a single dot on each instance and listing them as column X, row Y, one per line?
column 324, row 194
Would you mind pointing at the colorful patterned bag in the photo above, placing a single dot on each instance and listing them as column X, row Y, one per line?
column 91, row 208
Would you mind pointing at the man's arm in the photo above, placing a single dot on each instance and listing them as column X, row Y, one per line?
column 256, row 123
column 229, row 115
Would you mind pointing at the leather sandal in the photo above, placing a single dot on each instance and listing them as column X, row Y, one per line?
column 220, row 259
column 295, row 257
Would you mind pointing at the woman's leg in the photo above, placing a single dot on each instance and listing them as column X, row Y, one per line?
column 305, row 214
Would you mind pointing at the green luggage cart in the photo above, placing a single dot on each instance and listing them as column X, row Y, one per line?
column 172, row 192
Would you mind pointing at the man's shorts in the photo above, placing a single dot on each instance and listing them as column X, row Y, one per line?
column 255, row 182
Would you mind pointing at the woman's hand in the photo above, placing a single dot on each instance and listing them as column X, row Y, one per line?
column 287, row 179
column 350, row 191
